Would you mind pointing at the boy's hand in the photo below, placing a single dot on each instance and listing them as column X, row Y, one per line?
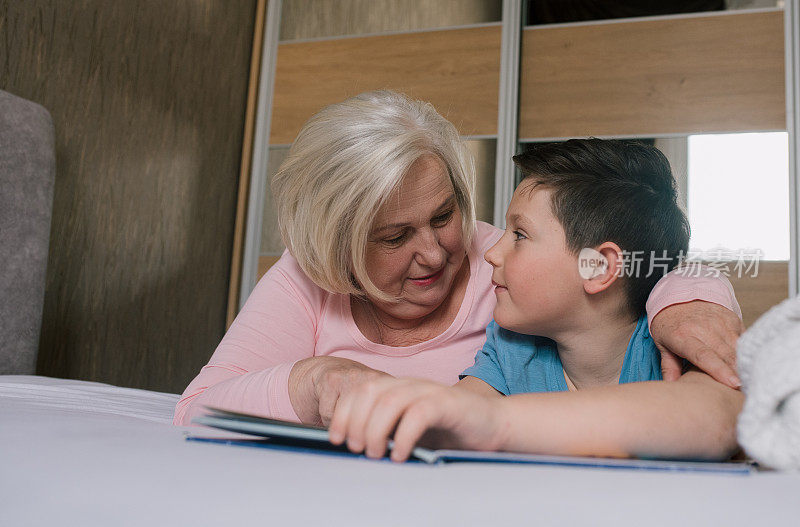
column 447, row 417
column 703, row 333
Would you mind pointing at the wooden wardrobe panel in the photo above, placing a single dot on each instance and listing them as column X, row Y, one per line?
column 757, row 294
column 148, row 100
column 457, row 70
column 720, row 73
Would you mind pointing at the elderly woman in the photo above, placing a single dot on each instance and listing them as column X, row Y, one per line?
column 384, row 273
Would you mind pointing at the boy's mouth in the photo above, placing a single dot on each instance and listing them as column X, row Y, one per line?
column 498, row 288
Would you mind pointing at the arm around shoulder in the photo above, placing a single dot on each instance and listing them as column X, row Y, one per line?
column 692, row 283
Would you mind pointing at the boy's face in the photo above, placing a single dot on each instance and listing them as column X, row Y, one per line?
column 536, row 276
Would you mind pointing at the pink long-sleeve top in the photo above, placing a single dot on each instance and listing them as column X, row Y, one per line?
column 288, row 318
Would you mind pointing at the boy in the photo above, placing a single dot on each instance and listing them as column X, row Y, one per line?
column 591, row 228
column 608, row 203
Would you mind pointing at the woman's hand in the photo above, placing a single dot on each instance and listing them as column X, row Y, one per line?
column 703, row 333
column 446, row 416
column 317, row 383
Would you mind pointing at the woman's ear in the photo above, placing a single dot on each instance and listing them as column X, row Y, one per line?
column 604, row 264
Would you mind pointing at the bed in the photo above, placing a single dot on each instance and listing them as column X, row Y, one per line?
column 90, row 454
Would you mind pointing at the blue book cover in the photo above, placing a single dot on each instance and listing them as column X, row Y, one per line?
column 294, row 437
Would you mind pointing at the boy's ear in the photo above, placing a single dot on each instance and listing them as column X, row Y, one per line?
column 606, row 262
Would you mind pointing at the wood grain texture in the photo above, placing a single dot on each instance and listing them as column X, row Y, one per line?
column 721, row 73
column 246, row 163
column 757, row 294
column 456, row 70
column 148, row 100
column 327, row 18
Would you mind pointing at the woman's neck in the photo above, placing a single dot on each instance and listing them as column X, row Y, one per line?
column 381, row 327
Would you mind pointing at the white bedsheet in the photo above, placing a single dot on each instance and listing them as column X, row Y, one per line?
column 83, row 397
column 77, row 453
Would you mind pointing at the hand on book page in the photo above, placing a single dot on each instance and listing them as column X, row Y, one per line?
column 274, row 433
column 432, row 414
column 298, row 438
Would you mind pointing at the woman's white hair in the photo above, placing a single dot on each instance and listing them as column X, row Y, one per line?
column 342, row 167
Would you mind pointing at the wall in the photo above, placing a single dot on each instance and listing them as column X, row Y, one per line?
column 148, row 100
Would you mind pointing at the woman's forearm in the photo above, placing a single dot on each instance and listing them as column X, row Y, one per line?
column 316, row 383
column 261, row 392
column 302, row 394
column 694, row 417
column 692, row 283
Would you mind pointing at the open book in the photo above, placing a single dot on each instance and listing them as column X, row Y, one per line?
column 284, row 435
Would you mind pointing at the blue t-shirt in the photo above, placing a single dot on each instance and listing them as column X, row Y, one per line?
column 515, row 363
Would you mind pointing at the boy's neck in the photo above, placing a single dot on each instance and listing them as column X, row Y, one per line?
column 592, row 354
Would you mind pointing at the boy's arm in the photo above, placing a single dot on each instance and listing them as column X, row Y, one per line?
column 694, row 417
column 477, row 386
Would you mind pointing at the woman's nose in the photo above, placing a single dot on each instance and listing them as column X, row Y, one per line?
column 429, row 252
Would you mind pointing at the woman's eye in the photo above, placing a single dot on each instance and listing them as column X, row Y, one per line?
column 442, row 218
column 397, row 240
column 518, row 236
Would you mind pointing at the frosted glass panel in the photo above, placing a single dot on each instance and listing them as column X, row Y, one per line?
column 484, row 151
column 271, row 243
column 738, row 207
column 302, row 19
column 738, row 193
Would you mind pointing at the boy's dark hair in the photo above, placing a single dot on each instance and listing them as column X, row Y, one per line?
column 619, row 191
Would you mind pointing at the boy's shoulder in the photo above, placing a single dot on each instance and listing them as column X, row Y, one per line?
column 642, row 359
column 642, row 331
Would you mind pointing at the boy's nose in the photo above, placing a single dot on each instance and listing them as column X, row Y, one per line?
column 492, row 256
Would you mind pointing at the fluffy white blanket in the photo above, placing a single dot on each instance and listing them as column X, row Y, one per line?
column 768, row 356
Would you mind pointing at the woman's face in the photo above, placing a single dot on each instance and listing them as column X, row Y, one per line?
column 416, row 247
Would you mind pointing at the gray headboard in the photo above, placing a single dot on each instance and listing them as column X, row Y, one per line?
column 27, row 174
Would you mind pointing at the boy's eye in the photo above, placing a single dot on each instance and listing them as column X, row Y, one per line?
column 442, row 219
column 518, row 236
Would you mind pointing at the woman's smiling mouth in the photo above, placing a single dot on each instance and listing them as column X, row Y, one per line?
column 425, row 281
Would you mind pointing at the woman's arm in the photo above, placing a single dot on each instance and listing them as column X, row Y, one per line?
column 693, row 314
column 694, row 417
column 265, row 364
column 316, row 383
column 250, row 368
